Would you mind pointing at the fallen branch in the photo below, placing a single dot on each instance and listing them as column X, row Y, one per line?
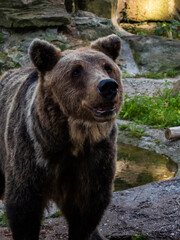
column 172, row 133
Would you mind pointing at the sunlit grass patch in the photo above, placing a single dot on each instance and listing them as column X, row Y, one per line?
column 160, row 110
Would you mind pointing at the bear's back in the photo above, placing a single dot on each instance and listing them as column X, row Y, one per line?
column 10, row 84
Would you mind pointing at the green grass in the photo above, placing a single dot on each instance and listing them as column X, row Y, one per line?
column 161, row 110
column 152, row 75
column 160, row 75
column 172, row 73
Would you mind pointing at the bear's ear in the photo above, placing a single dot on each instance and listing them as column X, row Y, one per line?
column 44, row 55
column 109, row 45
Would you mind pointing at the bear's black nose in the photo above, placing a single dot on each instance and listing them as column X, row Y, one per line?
column 108, row 89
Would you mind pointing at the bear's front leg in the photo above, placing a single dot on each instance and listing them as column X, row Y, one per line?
column 97, row 236
column 79, row 229
column 79, row 234
column 24, row 210
column 82, row 225
column 24, row 218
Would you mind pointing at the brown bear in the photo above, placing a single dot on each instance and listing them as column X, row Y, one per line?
column 58, row 136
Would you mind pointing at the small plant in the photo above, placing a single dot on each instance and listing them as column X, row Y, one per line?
column 13, row 61
column 139, row 237
column 135, row 29
column 160, row 110
column 3, row 220
column 136, row 131
column 8, row 61
column 1, row 37
column 168, row 29
column 123, row 13
column 172, row 73
column 56, row 214
column 164, row 29
column 124, row 126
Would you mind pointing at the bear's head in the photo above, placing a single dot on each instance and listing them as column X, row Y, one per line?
column 86, row 83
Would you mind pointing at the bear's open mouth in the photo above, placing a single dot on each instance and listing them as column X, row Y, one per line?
column 104, row 110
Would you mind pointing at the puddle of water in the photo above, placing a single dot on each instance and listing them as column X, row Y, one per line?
column 136, row 167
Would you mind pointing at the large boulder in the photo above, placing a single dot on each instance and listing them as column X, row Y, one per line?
column 155, row 54
column 176, row 88
column 32, row 13
column 14, row 45
column 151, row 10
column 91, row 27
column 151, row 211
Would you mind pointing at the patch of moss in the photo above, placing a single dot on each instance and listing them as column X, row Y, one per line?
column 134, row 131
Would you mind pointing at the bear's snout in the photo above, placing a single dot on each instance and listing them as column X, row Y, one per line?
column 108, row 89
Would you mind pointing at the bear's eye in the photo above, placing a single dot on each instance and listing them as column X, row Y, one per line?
column 108, row 68
column 77, row 71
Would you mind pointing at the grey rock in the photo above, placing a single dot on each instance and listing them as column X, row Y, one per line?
column 92, row 27
column 152, row 210
column 126, row 60
column 155, row 54
column 147, row 86
column 176, row 88
column 14, row 49
column 33, row 13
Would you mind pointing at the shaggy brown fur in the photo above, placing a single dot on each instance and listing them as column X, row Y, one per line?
column 58, row 136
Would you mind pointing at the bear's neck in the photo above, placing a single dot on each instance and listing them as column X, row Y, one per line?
column 92, row 132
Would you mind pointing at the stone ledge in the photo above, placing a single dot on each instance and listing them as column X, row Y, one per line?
column 35, row 15
column 152, row 210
